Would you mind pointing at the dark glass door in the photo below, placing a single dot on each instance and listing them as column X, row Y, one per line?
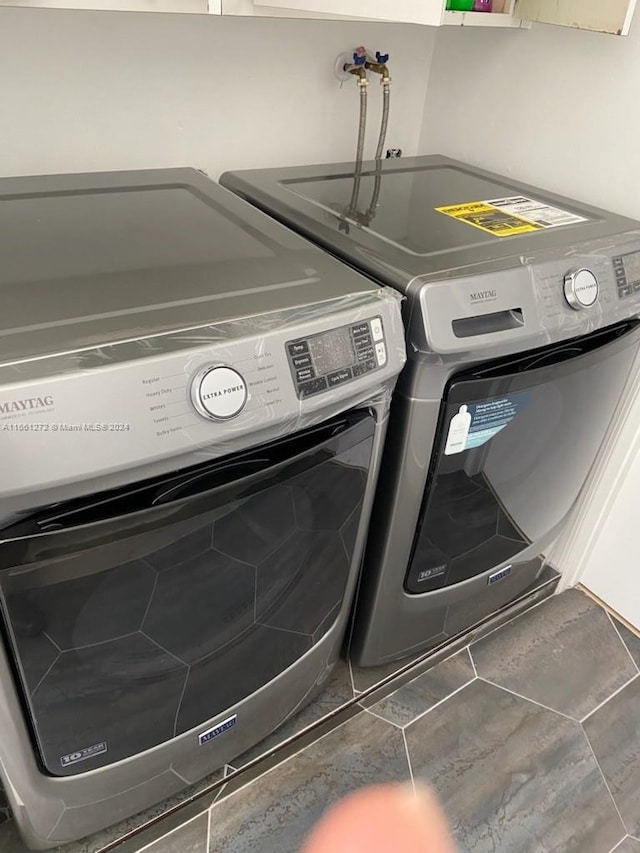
column 138, row 614
column 516, row 440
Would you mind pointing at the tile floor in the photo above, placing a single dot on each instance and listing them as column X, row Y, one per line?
column 4, row 807
column 530, row 736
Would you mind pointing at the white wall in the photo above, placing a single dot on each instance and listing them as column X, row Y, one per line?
column 103, row 90
column 611, row 563
column 551, row 106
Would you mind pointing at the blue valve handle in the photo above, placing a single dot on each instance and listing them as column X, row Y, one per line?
column 359, row 60
column 382, row 58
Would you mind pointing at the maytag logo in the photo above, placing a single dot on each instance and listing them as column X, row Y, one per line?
column 26, row 405
column 484, row 296
column 500, row 575
column 218, row 730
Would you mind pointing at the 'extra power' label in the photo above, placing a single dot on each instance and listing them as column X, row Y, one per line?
column 508, row 217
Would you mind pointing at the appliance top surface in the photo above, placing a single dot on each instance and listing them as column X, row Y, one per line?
column 91, row 259
column 387, row 223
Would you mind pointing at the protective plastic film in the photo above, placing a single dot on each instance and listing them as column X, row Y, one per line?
column 131, row 410
column 591, row 286
column 525, row 302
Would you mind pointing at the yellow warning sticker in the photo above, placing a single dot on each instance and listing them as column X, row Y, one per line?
column 487, row 217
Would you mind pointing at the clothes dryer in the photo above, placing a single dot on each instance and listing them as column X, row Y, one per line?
column 190, row 441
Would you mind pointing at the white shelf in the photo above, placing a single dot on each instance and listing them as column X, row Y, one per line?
column 482, row 19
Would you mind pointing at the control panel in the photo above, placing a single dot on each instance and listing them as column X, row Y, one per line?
column 324, row 361
column 146, row 406
column 550, row 296
column 627, row 272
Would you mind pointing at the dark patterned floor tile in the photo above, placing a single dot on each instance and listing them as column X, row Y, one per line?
column 275, row 813
column 631, row 641
column 565, row 654
column 614, row 733
column 189, row 838
column 512, row 775
column 5, row 813
column 421, row 694
column 10, row 841
column 337, row 692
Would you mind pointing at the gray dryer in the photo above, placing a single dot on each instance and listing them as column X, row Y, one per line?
column 190, row 442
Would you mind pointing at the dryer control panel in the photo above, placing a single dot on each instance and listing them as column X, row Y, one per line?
column 136, row 409
column 324, row 361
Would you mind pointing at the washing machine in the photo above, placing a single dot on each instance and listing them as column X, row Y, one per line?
column 521, row 311
column 190, row 440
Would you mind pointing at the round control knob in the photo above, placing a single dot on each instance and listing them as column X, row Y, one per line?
column 581, row 289
column 219, row 393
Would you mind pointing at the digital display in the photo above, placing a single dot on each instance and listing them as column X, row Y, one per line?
column 332, row 351
column 631, row 265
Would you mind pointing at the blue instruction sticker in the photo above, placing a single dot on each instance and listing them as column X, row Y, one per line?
column 477, row 423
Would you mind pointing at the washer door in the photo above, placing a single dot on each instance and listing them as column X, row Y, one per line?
column 142, row 613
column 515, row 443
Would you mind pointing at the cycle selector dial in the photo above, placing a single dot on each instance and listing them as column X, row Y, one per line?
column 219, row 393
column 581, row 289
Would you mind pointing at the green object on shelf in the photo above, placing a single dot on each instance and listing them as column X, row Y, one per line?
column 460, row 5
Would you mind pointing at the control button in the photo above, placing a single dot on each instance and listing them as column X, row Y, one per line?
column 305, row 374
column 636, row 286
column 625, row 291
column 219, row 393
column 581, row 289
column 365, row 354
column 339, row 377
column 360, row 329
column 376, row 329
column 381, row 354
column 618, row 262
column 365, row 367
column 301, row 361
column 313, row 387
column 362, row 343
column 298, row 348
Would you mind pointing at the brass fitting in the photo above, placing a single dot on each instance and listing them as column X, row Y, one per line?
column 379, row 68
column 357, row 71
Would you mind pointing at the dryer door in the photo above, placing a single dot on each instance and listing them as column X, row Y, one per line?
column 141, row 613
column 515, row 443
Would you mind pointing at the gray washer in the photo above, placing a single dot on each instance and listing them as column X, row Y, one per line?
column 491, row 284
